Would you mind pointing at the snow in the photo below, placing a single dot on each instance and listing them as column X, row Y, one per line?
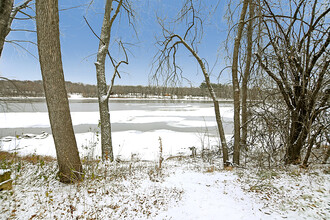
column 144, row 145
column 134, row 188
column 183, row 189
column 190, row 123
column 292, row 192
column 40, row 119
column 212, row 196
column 3, row 171
column 75, row 96
column 125, row 193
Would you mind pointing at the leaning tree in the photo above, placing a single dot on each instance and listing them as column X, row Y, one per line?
column 70, row 168
column 168, row 69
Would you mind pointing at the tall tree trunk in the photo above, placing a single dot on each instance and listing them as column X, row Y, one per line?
column 106, row 142
column 237, row 124
column 217, row 117
column 247, row 74
column 297, row 138
column 5, row 9
column 47, row 19
column 215, row 102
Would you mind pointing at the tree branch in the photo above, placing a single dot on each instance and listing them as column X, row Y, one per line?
column 16, row 9
column 278, row 82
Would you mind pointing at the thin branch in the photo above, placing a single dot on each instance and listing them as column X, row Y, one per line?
column 92, row 30
column 86, row 58
column 26, row 14
column 108, row 53
column 113, row 78
column 278, row 82
column 11, row 81
column 313, row 26
column 23, row 48
column 116, row 13
column 73, row 7
column 294, row 18
column 22, row 41
column 25, row 30
column 18, row 8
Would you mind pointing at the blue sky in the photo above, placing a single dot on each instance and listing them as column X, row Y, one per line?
column 79, row 45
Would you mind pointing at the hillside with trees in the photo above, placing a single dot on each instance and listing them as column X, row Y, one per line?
column 15, row 88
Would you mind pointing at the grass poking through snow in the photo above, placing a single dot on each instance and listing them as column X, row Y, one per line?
column 184, row 188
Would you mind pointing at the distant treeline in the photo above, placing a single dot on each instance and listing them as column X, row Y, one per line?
column 16, row 88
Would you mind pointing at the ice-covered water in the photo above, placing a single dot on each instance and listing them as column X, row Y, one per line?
column 136, row 125
column 18, row 117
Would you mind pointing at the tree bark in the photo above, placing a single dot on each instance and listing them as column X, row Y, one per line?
column 246, row 75
column 236, row 92
column 106, row 139
column 297, row 137
column 5, row 9
column 47, row 20
column 310, row 146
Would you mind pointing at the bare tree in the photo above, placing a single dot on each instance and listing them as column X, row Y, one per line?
column 167, row 67
column 7, row 14
column 104, row 90
column 47, row 19
column 236, row 89
column 296, row 58
column 246, row 74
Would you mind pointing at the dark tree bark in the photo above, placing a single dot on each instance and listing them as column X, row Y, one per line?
column 5, row 9
column 236, row 90
column 7, row 14
column 246, row 75
column 309, row 149
column 48, row 35
column 298, row 46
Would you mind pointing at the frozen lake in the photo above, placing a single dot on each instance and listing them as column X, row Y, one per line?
column 31, row 116
column 136, row 124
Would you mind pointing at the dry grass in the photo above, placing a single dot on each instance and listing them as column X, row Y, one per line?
column 229, row 168
column 9, row 158
column 210, row 169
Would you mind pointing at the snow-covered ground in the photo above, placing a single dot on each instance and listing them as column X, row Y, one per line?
column 212, row 196
column 133, row 187
column 182, row 189
column 144, row 145
column 292, row 192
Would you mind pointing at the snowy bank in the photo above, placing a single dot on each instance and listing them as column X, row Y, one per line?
column 141, row 145
column 183, row 189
